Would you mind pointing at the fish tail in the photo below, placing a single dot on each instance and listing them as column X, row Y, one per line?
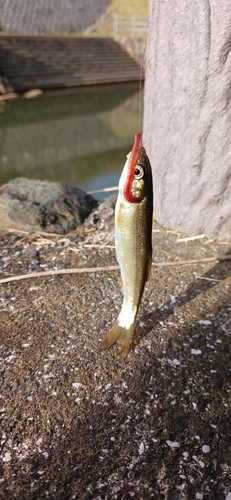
column 121, row 333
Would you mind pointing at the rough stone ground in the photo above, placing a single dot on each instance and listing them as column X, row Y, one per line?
column 80, row 423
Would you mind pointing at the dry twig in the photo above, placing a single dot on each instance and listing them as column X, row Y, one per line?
column 191, row 238
column 111, row 268
column 207, row 279
column 60, row 271
column 104, row 190
column 192, row 261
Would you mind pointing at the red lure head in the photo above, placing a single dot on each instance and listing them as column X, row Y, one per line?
column 131, row 168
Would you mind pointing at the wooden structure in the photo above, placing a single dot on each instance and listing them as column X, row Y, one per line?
column 47, row 62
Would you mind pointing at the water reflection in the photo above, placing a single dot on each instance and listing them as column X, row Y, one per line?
column 80, row 137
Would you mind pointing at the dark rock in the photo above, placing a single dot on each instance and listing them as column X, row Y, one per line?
column 103, row 216
column 34, row 205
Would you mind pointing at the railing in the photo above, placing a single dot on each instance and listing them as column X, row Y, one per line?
column 130, row 26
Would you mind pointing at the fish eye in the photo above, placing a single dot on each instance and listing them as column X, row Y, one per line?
column 138, row 172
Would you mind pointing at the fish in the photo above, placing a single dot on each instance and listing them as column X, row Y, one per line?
column 133, row 242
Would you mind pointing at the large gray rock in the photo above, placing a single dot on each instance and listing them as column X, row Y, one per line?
column 187, row 118
column 33, row 205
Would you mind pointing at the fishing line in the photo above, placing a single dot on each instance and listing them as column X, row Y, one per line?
column 140, row 100
column 140, row 95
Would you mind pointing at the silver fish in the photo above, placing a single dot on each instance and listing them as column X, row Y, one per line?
column 133, row 240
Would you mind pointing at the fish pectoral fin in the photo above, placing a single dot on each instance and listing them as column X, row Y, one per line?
column 149, row 268
column 123, row 335
column 122, row 283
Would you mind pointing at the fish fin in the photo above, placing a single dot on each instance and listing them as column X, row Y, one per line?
column 123, row 335
column 122, row 283
column 149, row 268
column 118, row 215
column 155, row 218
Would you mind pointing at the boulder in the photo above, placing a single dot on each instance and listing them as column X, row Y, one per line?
column 34, row 205
column 187, row 124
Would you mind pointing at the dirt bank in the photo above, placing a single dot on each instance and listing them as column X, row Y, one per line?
column 80, row 423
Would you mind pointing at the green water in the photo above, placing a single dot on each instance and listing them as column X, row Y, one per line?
column 80, row 137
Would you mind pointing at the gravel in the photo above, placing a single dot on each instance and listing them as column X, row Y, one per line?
column 80, row 423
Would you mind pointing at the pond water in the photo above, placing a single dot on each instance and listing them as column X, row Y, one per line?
column 80, row 137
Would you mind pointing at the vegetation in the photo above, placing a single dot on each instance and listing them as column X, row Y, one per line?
column 104, row 27
column 131, row 7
